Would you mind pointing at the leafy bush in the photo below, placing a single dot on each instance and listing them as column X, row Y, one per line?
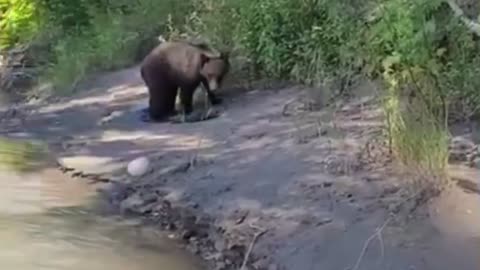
column 424, row 50
column 18, row 22
column 418, row 47
column 77, row 37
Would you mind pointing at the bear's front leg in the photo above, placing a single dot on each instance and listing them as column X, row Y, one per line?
column 188, row 115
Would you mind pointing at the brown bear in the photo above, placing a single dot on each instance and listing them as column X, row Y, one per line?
column 174, row 65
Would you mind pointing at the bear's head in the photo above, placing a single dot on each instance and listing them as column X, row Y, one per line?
column 214, row 69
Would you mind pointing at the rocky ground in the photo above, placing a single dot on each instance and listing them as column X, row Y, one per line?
column 271, row 182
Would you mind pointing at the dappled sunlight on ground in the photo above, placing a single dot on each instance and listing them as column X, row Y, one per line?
column 300, row 175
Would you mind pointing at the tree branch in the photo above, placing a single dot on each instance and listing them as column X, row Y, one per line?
column 472, row 25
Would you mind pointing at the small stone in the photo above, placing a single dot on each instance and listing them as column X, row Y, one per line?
column 187, row 234
column 327, row 184
column 150, row 198
column 138, row 166
column 324, row 221
column 308, row 219
column 146, row 208
column 195, row 205
column 213, row 257
column 323, row 131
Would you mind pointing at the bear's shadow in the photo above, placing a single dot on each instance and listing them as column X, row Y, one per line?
column 198, row 115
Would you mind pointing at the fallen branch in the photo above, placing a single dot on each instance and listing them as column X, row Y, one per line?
column 252, row 244
column 378, row 233
column 472, row 25
column 194, row 157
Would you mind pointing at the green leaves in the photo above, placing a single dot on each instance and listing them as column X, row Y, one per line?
column 18, row 22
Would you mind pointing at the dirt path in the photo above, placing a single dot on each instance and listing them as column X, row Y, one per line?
column 304, row 178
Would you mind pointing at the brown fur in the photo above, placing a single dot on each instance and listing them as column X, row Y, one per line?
column 174, row 65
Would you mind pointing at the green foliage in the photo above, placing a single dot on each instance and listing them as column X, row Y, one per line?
column 18, row 22
column 420, row 46
column 301, row 40
column 69, row 15
column 416, row 46
column 109, row 39
column 76, row 37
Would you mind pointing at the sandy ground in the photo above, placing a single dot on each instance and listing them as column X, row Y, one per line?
column 310, row 179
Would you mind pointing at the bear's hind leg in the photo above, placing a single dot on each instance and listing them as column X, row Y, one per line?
column 162, row 103
column 186, row 99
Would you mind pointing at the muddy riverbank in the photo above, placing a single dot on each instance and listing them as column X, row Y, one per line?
column 305, row 189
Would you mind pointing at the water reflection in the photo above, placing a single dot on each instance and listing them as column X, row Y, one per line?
column 45, row 224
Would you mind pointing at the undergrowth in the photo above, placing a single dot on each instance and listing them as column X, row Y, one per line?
column 427, row 58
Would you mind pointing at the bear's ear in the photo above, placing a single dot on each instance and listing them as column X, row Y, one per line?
column 204, row 59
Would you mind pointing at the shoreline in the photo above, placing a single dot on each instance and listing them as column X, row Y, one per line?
column 193, row 229
column 186, row 224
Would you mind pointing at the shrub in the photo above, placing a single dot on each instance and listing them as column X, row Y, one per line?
column 18, row 22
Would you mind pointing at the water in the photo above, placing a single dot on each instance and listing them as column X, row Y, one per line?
column 46, row 223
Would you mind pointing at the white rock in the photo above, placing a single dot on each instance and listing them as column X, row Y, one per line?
column 138, row 166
